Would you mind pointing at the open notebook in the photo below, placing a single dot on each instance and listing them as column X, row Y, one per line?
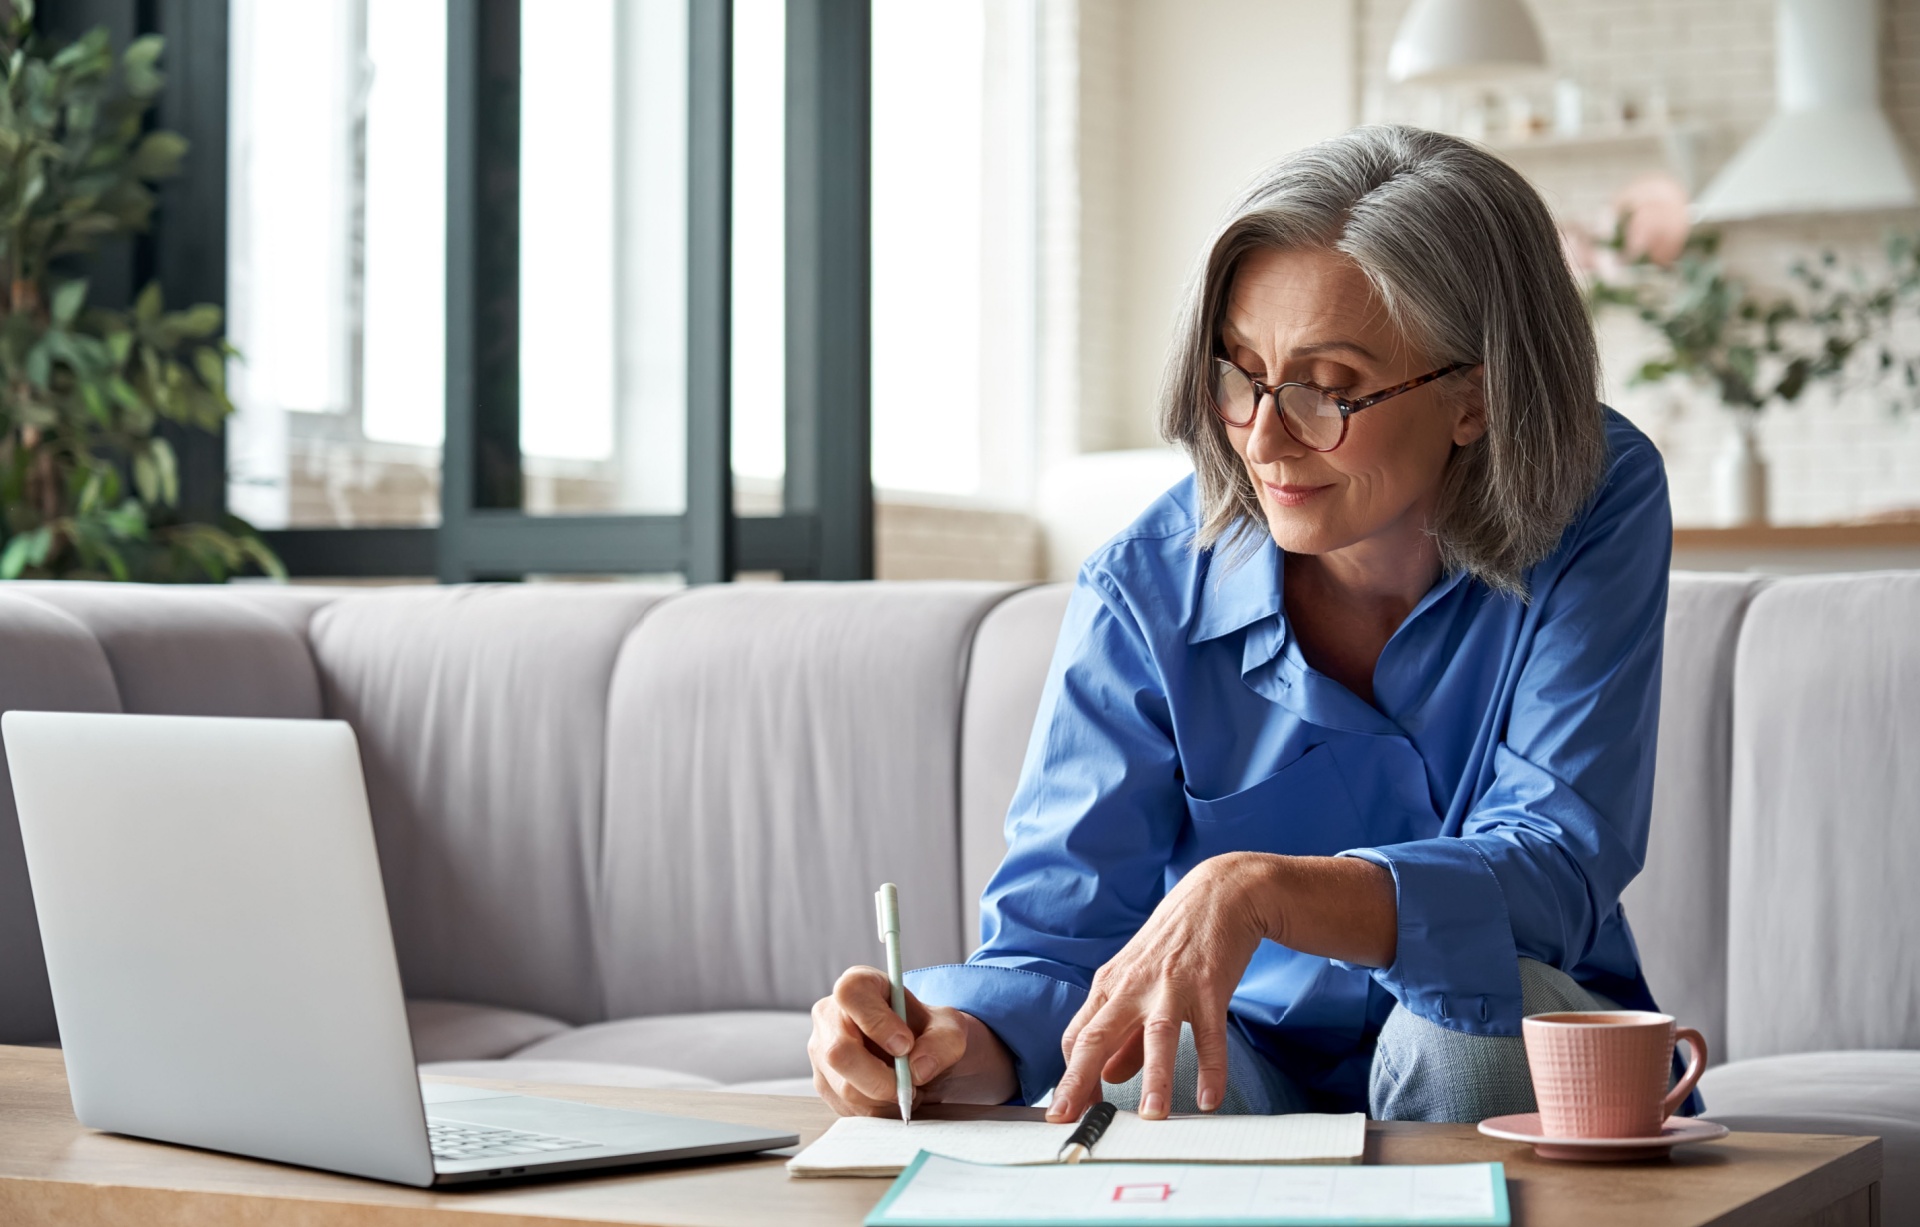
column 879, row 1146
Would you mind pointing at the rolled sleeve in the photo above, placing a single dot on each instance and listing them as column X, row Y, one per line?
column 1028, row 1010
column 1455, row 963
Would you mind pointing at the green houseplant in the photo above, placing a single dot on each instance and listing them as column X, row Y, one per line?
column 1755, row 349
column 88, row 478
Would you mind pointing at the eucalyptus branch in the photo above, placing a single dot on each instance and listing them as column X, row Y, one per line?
column 1755, row 349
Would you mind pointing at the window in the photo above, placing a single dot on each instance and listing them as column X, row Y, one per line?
column 489, row 262
column 336, row 261
column 955, row 206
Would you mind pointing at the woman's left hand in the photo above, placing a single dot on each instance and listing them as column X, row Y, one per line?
column 1181, row 967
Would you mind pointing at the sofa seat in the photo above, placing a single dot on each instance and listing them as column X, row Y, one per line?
column 727, row 1046
column 461, row 1031
column 759, row 1051
column 573, row 1073
column 1857, row 1092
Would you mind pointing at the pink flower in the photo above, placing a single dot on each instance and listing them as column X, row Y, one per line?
column 1655, row 208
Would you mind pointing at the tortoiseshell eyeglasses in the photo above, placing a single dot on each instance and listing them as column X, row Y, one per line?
column 1315, row 417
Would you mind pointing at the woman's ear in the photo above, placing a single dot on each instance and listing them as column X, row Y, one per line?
column 1470, row 406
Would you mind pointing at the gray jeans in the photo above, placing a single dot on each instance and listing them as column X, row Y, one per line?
column 1421, row 1071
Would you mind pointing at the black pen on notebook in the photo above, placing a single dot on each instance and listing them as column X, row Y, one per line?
column 1092, row 1125
column 886, row 902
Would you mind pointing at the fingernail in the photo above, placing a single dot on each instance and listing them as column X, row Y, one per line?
column 899, row 1045
column 1207, row 1097
column 922, row 1067
column 1155, row 1104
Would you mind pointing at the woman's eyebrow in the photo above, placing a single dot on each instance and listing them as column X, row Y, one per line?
column 1322, row 347
column 1231, row 336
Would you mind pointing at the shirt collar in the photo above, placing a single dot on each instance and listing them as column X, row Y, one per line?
column 1242, row 586
column 1239, row 587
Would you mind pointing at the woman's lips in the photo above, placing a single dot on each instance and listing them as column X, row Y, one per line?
column 1291, row 495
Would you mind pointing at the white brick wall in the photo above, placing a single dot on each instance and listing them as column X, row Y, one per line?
column 1832, row 458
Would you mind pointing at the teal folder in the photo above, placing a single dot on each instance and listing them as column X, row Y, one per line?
column 941, row 1192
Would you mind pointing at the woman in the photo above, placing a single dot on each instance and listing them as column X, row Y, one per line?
column 1346, row 752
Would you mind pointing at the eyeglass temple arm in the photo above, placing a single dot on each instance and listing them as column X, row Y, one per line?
column 1368, row 401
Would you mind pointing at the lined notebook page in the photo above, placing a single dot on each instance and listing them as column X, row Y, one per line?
column 1303, row 1137
column 877, row 1146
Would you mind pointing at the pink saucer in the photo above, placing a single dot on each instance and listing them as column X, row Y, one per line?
column 1677, row 1131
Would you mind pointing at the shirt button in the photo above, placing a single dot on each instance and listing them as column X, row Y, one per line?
column 1483, row 1009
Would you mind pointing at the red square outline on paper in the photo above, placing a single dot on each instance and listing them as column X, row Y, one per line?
column 1139, row 1192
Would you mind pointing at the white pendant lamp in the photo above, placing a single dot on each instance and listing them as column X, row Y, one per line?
column 1828, row 147
column 1445, row 42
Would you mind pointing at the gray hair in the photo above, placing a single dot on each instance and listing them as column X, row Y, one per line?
column 1468, row 265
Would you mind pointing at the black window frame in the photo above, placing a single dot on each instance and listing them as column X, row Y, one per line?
column 825, row 528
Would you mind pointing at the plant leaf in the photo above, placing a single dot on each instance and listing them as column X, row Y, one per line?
column 147, row 307
column 67, row 301
column 168, row 467
column 28, row 549
column 158, row 156
column 146, row 477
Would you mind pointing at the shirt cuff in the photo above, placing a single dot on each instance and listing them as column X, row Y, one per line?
column 1456, row 964
column 1027, row 1010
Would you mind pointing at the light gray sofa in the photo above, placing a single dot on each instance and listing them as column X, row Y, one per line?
column 631, row 833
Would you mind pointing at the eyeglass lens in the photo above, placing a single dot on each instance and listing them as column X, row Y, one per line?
column 1309, row 416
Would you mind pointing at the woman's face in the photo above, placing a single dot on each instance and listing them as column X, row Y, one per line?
column 1312, row 317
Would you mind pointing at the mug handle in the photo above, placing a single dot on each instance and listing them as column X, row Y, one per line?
column 1696, row 1065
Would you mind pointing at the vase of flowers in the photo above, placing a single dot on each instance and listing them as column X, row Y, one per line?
column 1751, row 349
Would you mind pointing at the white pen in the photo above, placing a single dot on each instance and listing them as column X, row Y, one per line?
column 886, row 903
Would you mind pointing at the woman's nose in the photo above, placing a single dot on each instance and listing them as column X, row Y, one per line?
column 1269, row 441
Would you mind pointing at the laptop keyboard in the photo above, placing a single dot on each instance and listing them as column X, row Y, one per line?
column 456, row 1142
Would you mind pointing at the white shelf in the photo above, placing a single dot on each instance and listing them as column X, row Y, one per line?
column 1649, row 137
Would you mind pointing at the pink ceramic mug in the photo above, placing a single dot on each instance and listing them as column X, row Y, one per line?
column 1603, row 1074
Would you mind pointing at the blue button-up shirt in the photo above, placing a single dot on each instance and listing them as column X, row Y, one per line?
column 1503, row 773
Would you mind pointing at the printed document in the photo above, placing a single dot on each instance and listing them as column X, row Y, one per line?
column 940, row 1191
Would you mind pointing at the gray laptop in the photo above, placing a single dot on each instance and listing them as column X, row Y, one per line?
column 223, row 971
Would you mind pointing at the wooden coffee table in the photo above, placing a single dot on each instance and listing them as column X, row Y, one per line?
column 53, row 1171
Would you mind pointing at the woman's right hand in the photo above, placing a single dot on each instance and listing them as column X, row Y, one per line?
column 955, row 1058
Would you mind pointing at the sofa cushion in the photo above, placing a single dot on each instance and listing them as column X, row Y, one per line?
column 1860, row 1092
column 459, row 1031
column 48, row 662
column 292, row 605
column 775, row 752
column 726, row 1046
column 1823, row 916
column 1004, row 680
column 573, row 1073
column 193, row 651
column 1677, row 907
column 796, row 1087
column 481, row 713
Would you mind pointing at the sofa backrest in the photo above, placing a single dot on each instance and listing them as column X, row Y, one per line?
column 482, row 718
column 1677, row 907
column 1011, row 653
column 596, row 801
column 48, row 662
column 1824, row 914
column 776, row 752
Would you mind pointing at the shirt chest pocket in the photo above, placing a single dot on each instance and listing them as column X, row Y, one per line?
column 1303, row 809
